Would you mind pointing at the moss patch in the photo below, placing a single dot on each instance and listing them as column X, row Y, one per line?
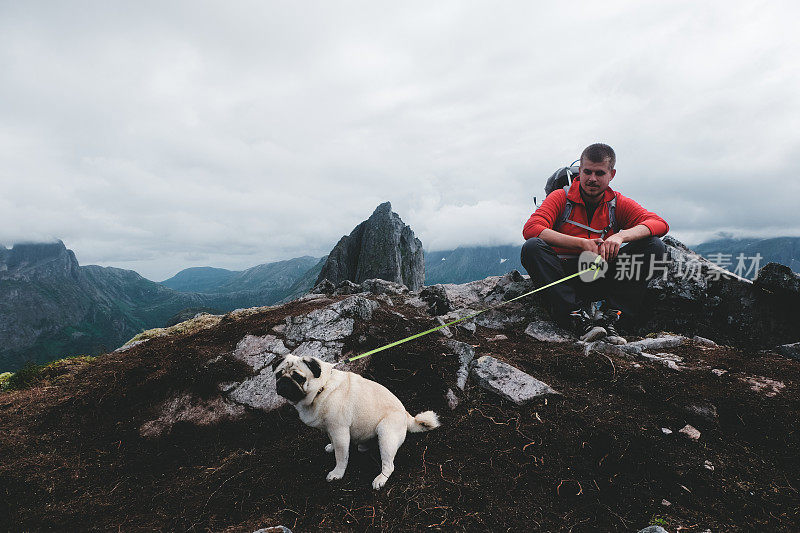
column 194, row 325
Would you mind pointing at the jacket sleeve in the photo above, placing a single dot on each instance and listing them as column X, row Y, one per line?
column 546, row 215
column 630, row 214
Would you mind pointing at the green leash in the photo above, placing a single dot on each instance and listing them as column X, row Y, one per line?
column 594, row 266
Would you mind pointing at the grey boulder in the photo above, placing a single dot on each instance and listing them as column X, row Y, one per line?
column 465, row 353
column 330, row 323
column 258, row 352
column 546, row 331
column 790, row 350
column 507, row 381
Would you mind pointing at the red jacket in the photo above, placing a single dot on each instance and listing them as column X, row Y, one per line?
column 628, row 215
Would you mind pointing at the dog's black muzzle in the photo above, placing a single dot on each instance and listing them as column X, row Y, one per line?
column 290, row 390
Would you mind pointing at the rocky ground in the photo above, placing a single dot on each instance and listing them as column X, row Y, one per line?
column 182, row 430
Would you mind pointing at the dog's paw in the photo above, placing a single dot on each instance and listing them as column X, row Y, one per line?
column 329, row 448
column 379, row 481
column 333, row 475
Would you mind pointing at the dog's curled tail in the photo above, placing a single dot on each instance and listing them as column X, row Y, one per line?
column 423, row 422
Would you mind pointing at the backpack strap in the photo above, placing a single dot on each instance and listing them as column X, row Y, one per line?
column 567, row 210
column 612, row 215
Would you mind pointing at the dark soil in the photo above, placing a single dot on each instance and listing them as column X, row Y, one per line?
column 595, row 459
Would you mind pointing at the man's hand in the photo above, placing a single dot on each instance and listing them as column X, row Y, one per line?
column 609, row 248
column 592, row 245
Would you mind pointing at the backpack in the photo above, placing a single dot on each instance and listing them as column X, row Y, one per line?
column 562, row 179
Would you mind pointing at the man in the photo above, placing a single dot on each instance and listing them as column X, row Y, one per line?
column 551, row 249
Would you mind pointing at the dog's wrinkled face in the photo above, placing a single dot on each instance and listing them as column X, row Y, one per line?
column 293, row 374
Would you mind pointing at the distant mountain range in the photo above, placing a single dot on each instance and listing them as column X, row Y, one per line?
column 783, row 250
column 273, row 280
column 469, row 264
column 52, row 307
column 277, row 282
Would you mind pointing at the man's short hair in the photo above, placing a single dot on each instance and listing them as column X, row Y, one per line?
column 599, row 153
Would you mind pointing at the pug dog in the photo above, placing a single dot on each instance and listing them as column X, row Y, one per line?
column 349, row 408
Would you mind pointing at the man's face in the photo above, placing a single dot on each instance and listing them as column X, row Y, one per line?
column 594, row 178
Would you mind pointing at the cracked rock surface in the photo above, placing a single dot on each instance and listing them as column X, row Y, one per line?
column 508, row 381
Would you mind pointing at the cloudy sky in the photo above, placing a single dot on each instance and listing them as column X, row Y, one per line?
column 162, row 135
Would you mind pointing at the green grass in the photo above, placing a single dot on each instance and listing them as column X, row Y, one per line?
column 32, row 374
column 659, row 521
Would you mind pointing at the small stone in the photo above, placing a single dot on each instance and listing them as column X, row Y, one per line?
column 444, row 331
column 666, row 359
column 690, row 432
column 495, row 319
column 347, row 287
column 274, row 529
column 499, row 337
column 324, row 287
column 702, row 341
column 718, row 371
column 790, row 350
column 708, row 465
column 279, row 328
column 467, row 325
column 666, row 431
column 382, row 287
column 452, row 399
column 385, row 299
column 658, row 343
column 605, row 348
column 653, row 529
column 703, row 409
column 545, row 331
column 666, row 503
column 465, row 353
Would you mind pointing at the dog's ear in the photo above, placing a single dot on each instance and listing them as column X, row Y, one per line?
column 277, row 361
column 313, row 365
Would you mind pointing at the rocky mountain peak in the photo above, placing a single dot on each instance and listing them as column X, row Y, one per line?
column 39, row 259
column 381, row 247
column 385, row 207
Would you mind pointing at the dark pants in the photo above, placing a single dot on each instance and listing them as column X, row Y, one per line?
column 626, row 294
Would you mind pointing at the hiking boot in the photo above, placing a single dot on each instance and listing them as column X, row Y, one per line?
column 609, row 320
column 584, row 327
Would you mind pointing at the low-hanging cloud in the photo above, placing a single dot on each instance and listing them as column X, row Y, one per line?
column 159, row 136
